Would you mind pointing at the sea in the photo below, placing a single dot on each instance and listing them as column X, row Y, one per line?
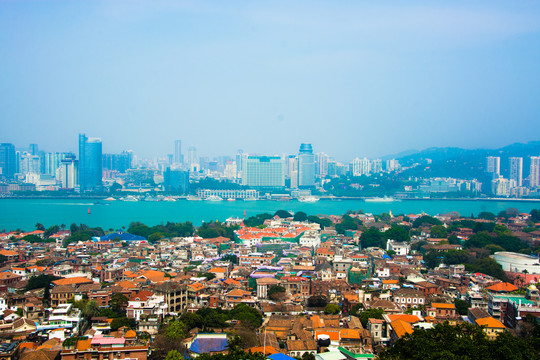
column 25, row 213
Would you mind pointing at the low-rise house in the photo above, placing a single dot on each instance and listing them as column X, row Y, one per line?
column 105, row 347
column 408, row 297
column 492, row 327
column 207, row 344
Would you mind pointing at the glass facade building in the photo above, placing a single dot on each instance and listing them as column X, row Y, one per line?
column 306, row 166
column 90, row 163
column 8, row 161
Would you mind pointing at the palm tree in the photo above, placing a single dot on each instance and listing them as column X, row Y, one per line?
column 90, row 309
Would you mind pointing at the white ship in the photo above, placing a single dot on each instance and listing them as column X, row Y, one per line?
column 379, row 199
column 308, row 199
column 130, row 198
column 214, row 198
column 193, row 198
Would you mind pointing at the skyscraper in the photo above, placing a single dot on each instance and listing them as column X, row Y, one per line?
column 263, row 172
column 90, row 163
column 306, row 166
column 494, row 166
column 178, row 159
column 7, row 160
column 516, row 170
column 69, row 172
column 534, row 177
column 193, row 160
column 361, row 167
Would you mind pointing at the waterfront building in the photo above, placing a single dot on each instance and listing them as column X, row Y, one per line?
column 69, row 172
column 501, row 186
column 7, row 160
column 494, row 166
column 193, row 160
column 228, row 194
column 90, row 163
column 322, row 164
column 516, row 170
column 534, row 177
column 176, row 180
column 306, row 166
column 263, row 172
column 376, row 166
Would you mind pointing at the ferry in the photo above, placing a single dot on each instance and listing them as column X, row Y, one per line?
column 169, row 198
column 193, row 198
column 379, row 199
column 214, row 198
column 308, row 199
column 131, row 198
column 110, row 199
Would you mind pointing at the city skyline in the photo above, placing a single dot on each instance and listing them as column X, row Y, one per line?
column 354, row 78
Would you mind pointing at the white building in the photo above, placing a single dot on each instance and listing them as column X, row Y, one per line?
column 516, row 262
column 311, row 239
column 401, row 248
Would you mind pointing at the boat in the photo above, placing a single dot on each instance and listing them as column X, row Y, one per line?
column 214, row 198
column 131, row 198
column 193, row 198
column 231, row 199
column 251, row 199
column 169, row 198
column 308, row 199
column 110, row 199
column 379, row 199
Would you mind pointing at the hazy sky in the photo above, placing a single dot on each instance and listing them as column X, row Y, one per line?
column 353, row 78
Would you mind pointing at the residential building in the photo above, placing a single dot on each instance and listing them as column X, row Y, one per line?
column 263, row 172
column 494, row 166
column 534, row 176
column 516, row 170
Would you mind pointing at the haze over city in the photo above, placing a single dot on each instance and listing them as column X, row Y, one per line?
column 353, row 78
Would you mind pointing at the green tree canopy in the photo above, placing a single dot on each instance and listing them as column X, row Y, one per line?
column 426, row 220
column 332, row 309
column 283, row 214
column 370, row 314
column 300, row 216
column 438, row 232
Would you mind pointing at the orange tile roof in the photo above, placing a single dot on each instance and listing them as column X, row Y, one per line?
column 333, row 334
column 502, row 287
column 8, row 253
column 443, row 306
column 401, row 327
column 490, row 323
column 411, row 319
column 83, row 345
column 73, row 281
column 266, row 350
column 217, row 270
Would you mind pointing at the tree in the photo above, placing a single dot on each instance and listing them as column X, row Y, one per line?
column 176, row 330
column 332, row 309
column 118, row 302
column 174, row 355
column 486, row 215
column 432, row 259
column 372, row 237
column 283, row 214
column 40, row 281
column 317, row 301
column 40, row 226
column 117, row 323
column 207, row 275
column 300, row 216
column 348, row 223
column 370, row 314
column 535, row 215
column 91, row 309
column 397, row 233
column 438, row 232
column 462, row 307
column 323, row 222
column 276, row 292
column 426, row 220
column 461, row 341
column 487, row 266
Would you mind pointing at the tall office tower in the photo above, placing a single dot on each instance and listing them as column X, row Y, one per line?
column 263, row 172
column 292, row 171
column 178, row 159
column 33, row 149
column 516, row 170
column 322, row 164
column 494, row 166
column 376, row 166
column 306, row 166
column 193, row 160
column 90, row 163
column 360, row 167
column 332, row 168
column 8, row 165
column 239, row 163
column 534, row 177
column 69, row 171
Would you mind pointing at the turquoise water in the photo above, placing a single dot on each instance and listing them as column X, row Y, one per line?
column 25, row 213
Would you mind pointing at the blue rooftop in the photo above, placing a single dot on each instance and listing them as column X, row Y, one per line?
column 123, row 236
column 205, row 345
column 280, row 356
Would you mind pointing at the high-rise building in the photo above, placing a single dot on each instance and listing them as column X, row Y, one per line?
column 69, row 172
column 322, row 164
column 178, row 158
column 33, row 149
column 361, row 167
column 239, row 163
column 534, row 177
column 8, row 164
column 90, row 163
column 516, row 170
column 193, row 160
column 392, row 165
column 494, row 166
column 263, row 172
column 118, row 162
column 376, row 166
column 306, row 166
column 176, row 180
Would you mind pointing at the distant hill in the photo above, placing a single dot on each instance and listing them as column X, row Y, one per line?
column 466, row 163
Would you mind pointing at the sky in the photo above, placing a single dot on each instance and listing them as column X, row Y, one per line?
column 353, row 78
